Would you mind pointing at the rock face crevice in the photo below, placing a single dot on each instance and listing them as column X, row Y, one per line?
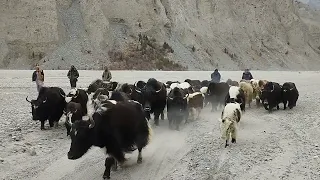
column 203, row 35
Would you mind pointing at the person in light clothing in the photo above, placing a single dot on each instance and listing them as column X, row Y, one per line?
column 106, row 76
column 38, row 77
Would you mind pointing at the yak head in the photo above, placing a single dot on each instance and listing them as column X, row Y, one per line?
column 127, row 88
column 73, row 94
column 211, row 86
column 35, row 107
column 178, row 100
column 112, row 85
column 71, row 109
column 38, row 106
column 149, row 91
column 94, row 86
column 269, row 87
column 99, row 92
column 264, row 98
column 81, row 137
column 287, row 87
column 229, row 82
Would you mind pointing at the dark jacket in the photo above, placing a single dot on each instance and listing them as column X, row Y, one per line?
column 215, row 77
column 247, row 75
column 73, row 74
column 34, row 75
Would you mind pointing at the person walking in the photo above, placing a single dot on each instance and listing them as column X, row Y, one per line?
column 215, row 76
column 38, row 77
column 246, row 75
column 73, row 75
column 106, row 75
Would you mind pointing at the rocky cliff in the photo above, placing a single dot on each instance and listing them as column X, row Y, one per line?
column 159, row 34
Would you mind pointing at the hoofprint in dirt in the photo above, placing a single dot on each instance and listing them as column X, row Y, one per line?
column 281, row 145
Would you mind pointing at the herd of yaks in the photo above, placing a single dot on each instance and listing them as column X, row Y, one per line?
column 117, row 115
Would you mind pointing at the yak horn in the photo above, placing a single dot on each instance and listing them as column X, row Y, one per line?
column 272, row 88
column 159, row 89
column 130, row 91
column 28, row 100
column 136, row 88
column 64, row 96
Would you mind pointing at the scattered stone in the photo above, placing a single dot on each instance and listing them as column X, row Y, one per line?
column 28, row 144
column 16, row 138
column 32, row 152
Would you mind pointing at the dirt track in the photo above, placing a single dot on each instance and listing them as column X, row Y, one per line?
column 281, row 145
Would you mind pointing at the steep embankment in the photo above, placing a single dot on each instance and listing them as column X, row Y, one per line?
column 226, row 34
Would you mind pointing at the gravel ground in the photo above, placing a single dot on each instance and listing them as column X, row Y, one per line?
column 281, row 145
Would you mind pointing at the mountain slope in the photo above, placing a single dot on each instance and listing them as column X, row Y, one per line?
column 199, row 35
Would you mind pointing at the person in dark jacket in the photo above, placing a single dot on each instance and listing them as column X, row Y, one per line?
column 38, row 77
column 73, row 76
column 246, row 75
column 215, row 76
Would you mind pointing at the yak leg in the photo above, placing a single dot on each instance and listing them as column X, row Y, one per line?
column 162, row 115
column 234, row 135
column 116, row 156
column 108, row 163
column 115, row 166
column 258, row 102
column 213, row 106
column 178, row 121
column 227, row 140
column 226, row 143
column 42, row 125
column 142, row 141
column 68, row 128
column 186, row 115
column 199, row 112
column 291, row 104
column 170, row 122
column 56, row 124
column 193, row 113
column 156, row 118
column 139, row 160
column 169, row 119
column 51, row 123
column 117, row 153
